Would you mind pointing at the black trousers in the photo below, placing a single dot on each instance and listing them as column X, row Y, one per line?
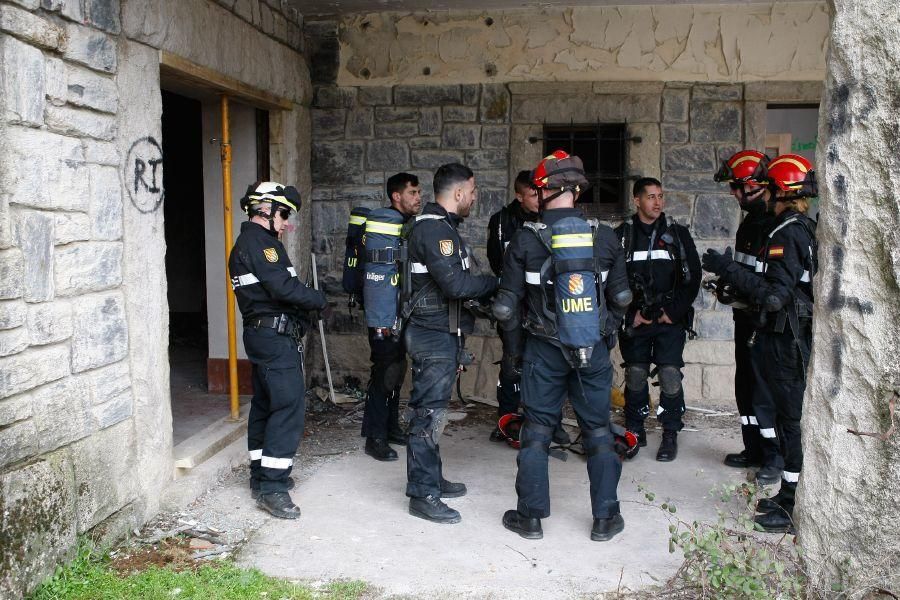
column 433, row 355
column 276, row 420
column 745, row 383
column 778, row 363
column 662, row 345
column 509, row 389
column 381, row 414
column 547, row 379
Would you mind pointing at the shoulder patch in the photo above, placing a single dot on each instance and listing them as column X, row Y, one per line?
column 446, row 247
column 776, row 252
column 271, row 255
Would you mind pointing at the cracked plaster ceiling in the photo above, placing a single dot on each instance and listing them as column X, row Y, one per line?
column 330, row 7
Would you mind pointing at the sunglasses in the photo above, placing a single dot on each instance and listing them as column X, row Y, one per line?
column 284, row 213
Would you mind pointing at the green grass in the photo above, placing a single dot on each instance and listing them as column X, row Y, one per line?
column 90, row 577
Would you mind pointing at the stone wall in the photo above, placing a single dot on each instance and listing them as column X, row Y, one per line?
column 362, row 135
column 85, row 422
column 670, row 42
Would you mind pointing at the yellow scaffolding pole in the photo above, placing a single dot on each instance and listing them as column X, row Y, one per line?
column 229, row 293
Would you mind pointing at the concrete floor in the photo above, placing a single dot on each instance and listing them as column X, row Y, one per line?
column 355, row 523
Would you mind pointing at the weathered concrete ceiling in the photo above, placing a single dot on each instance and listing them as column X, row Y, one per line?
column 329, row 7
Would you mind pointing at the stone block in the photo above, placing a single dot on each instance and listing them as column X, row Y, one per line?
column 101, row 153
column 489, row 201
column 49, row 322
column 13, row 341
column 70, row 227
column 470, row 93
column 628, row 87
column 91, row 48
column 718, row 91
column 365, row 196
column 100, row 336
column 692, row 383
column 433, row 95
column 75, row 121
column 492, row 178
column 107, row 383
column 337, row 163
column 30, row 27
column 38, row 505
column 280, row 25
column 689, row 158
column 425, row 143
column 22, row 79
column 487, row 159
column 675, row 133
column 56, row 168
column 387, row 155
column 709, row 352
column 718, row 383
column 17, row 408
column 243, row 9
column 332, row 96
column 675, row 103
column 29, row 4
column 31, row 368
column 495, row 136
column 679, row 206
column 691, row 182
column 432, row 159
column 715, row 122
column 461, row 136
column 12, row 273
column 374, row 96
column 389, row 114
column 113, row 411
column 375, row 178
column 360, row 123
column 395, row 130
column 714, row 325
column 328, row 122
column 36, row 238
column 105, row 475
column 62, row 413
column 103, row 14
column 87, row 267
column 715, row 216
column 784, row 91
column 12, row 313
column 266, row 19
column 643, row 158
column 460, row 114
column 329, row 218
column 430, row 121
column 71, row 9
column 495, row 103
column 587, row 108
column 17, row 441
column 92, row 90
column 55, row 85
column 106, row 203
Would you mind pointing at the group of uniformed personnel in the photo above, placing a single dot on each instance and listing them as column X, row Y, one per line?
column 566, row 290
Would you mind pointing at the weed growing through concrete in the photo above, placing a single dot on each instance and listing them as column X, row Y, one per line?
column 92, row 576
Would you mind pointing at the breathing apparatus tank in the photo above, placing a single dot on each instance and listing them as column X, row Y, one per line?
column 381, row 288
column 354, row 256
column 577, row 308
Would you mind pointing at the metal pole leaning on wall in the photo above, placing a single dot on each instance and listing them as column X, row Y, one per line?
column 229, row 239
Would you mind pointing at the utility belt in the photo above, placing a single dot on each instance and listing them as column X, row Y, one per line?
column 282, row 324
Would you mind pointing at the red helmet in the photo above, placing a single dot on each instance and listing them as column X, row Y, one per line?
column 747, row 166
column 793, row 173
column 509, row 425
column 559, row 171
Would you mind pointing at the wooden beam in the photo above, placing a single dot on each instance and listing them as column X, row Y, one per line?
column 172, row 66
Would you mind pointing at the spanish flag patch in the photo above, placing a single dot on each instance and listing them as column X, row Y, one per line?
column 776, row 251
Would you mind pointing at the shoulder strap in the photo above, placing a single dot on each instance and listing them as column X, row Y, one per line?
column 628, row 238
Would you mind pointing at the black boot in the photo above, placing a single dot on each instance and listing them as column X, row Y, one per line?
column 605, row 529
column 254, row 487
column 279, row 504
column 561, row 437
column 668, row 448
column 776, row 521
column 432, row 509
column 776, row 502
column 741, row 460
column 497, row 435
column 379, row 449
column 641, row 435
column 396, row 435
column 450, row 489
column 768, row 475
column 527, row 527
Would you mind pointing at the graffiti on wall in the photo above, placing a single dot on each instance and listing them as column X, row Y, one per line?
column 144, row 175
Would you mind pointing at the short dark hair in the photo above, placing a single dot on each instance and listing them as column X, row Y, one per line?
column 523, row 181
column 397, row 183
column 449, row 175
column 642, row 183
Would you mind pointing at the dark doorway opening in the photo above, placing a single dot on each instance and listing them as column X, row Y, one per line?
column 182, row 143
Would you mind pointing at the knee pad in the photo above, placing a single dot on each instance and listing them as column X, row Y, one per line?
column 670, row 380
column 533, row 435
column 597, row 441
column 394, row 375
column 636, row 376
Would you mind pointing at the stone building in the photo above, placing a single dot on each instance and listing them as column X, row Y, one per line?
column 111, row 216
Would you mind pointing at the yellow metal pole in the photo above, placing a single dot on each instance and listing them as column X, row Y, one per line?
column 229, row 293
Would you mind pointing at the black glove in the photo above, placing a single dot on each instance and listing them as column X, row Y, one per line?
column 511, row 367
column 716, row 262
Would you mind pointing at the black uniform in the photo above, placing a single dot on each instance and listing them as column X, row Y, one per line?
column 440, row 281
column 664, row 273
column 548, row 377
column 503, row 224
column 388, row 356
column 749, row 243
column 782, row 285
column 271, row 299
